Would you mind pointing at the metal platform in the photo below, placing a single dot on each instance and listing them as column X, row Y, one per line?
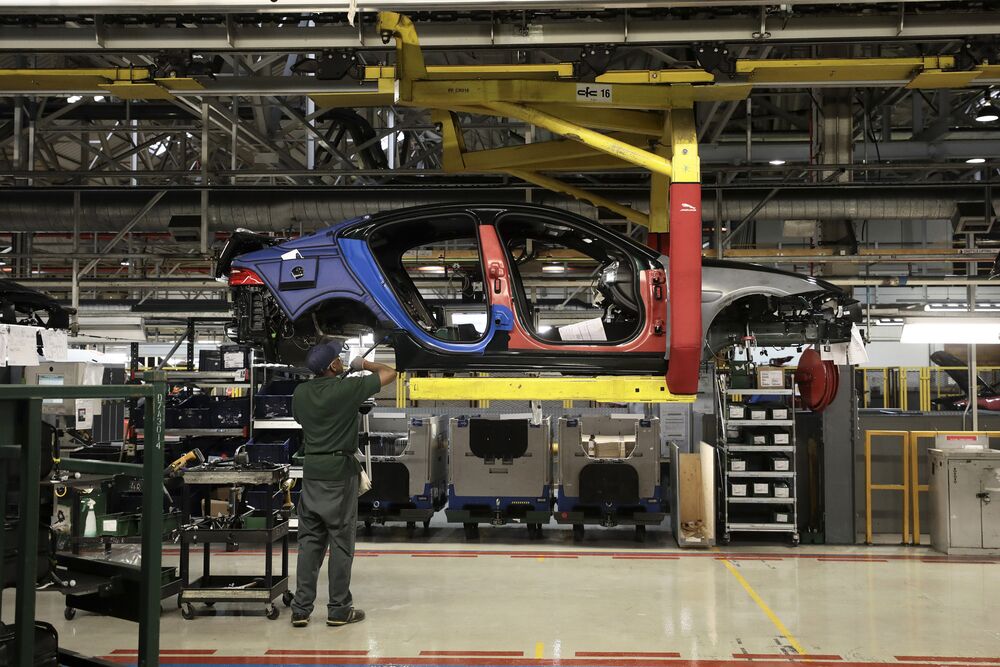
column 610, row 389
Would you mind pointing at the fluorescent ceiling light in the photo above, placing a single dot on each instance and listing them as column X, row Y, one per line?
column 960, row 307
column 966, row 330
column 975, row 160
column 553, row 268
column 776, row 163
column 98, row 98
column 431, row 269
column 73, row 99
column 987, row 113
column 545, row 328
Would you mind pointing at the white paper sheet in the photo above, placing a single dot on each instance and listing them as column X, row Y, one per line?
column 856, row 352
column 292, row 254
column 22, row 346
column 3, row 345
column 55, row 344
column 232, row 360
column 586, row 331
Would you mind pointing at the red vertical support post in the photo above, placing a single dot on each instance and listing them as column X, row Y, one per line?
column 684, row 244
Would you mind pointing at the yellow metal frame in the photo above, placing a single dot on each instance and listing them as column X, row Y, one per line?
column 904, row 487
column 612, row 389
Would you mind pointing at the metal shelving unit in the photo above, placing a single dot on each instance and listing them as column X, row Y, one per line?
column 753, row 513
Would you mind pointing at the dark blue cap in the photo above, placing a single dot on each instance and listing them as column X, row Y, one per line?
column 321, row 356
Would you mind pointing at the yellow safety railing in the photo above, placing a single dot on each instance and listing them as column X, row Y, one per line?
column 904, row 487
column 916, row 488
column 913, row 387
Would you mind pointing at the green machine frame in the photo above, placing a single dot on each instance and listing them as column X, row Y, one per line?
column 20, row 437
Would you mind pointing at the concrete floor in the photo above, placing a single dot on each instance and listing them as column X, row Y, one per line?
column 506, row 600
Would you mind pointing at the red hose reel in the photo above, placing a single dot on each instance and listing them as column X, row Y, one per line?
column 818, row 380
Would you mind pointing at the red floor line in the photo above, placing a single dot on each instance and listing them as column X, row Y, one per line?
column 276, row 651
column 650, row 557
column 749, row 557
column 963, row 562
column 628, row 654
column 837, row 559
column 509, row 654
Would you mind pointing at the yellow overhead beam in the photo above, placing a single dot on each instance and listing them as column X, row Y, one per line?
column 452, row 72
column 449, row 94
column 556, row 185
column 127, row 90
column 660, row 76
column 624, row 389
column 601, row 142
column 839, row 70
column 68, row 80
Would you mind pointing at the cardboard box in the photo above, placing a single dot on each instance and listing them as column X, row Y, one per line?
column 737, row 490
column 758, row 414
column 769, row 377
column 779, row 413
column 780, row 464
column 780, row 438
column 781, row 490
column 737, row 411
column 761, row 489
column 211, row 507
column 738, row 465
column 782, row 517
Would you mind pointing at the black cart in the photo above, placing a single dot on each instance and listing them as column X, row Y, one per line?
column 245, row 588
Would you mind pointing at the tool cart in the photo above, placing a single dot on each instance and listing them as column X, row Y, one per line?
column 262, row 527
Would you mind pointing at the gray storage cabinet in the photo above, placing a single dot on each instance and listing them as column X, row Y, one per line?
column 965, row 501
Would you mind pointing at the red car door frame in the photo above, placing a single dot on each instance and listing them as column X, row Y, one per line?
column 652, row 290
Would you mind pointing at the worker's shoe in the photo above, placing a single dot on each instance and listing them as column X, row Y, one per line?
column 353, row 616
column 299, row 620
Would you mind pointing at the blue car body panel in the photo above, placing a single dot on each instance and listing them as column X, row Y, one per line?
column 347, row 269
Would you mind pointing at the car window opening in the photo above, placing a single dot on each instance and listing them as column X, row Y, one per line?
column 543, row 254
column 435, row 269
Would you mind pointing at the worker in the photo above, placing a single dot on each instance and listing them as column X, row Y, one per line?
column 327, row 408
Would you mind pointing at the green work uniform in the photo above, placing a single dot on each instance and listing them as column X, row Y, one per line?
column 327, row 409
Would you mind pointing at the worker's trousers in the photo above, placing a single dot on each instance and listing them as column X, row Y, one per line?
column 328, row 515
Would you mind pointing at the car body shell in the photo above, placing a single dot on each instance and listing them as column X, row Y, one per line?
column 337, row 265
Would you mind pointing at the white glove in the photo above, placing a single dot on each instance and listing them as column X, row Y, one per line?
column 357, row 364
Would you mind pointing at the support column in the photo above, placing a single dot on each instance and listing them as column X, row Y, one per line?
column 685, row 255
column 659, row 200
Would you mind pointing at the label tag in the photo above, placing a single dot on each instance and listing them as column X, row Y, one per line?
column 592, row 92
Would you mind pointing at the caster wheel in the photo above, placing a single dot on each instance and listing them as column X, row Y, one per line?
column 210, row 604
column 368, row 528
column 578, row 532
column 287, row 597
column 187, row 611
column 411, row 528
column 640, row 533
column 427, row 526
column 69, row 613
column 471, row 531
column 795, row 541
column 273, row 612
column 535, row 531
column 725, row 539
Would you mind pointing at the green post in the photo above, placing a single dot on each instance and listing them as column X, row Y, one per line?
column 27, row 544
column 152, row 521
